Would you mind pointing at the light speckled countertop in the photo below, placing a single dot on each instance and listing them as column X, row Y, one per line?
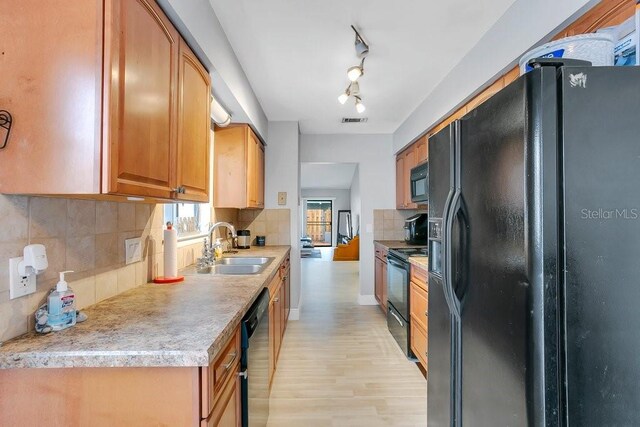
column 394, row 244
column 150, row 326
column 420, row 261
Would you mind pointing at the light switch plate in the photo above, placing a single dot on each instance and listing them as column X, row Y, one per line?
column 132, row 250
column 282, row 198
column 19, row 286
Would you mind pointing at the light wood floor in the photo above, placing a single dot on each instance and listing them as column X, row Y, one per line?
column 339, row 366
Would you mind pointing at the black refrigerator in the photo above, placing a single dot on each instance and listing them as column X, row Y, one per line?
column 534, row 273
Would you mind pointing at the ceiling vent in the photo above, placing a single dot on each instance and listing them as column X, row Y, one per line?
column 354, row 119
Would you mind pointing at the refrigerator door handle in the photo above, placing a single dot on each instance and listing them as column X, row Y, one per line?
column 445, row 250
column 454, row 304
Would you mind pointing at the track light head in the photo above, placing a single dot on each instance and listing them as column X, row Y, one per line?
column 359, row 105
column 362, row 48
column 356, row 71
column 343, row 98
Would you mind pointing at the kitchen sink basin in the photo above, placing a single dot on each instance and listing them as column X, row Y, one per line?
column 236, row 266
column 244, row 261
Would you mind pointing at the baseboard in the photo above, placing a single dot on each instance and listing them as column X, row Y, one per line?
column 367, row 300
column 294, row 314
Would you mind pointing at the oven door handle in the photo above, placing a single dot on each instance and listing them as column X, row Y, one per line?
column 397, row 318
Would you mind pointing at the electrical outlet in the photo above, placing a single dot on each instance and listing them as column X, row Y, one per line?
column 282, row 198
column 19, row 286
column 133, row 250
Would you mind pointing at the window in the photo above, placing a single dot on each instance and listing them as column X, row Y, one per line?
column 189, row 219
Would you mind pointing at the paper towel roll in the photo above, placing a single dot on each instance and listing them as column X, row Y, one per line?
column 170, row 253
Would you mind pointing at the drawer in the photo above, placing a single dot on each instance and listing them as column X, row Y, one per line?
column 419, row 276
column 274, row 285
column 418, row 305
column 226, row 411
column 284, row 267
column 214, row 376
column 419, row 344
column 382, row 253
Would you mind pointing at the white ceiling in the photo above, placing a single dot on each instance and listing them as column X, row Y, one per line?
column 327, row 175
column 296, row 53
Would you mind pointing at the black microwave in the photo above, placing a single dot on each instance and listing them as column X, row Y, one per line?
column 420, row 183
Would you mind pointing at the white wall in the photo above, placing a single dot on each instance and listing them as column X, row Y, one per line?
column 199, row 25
column 525, row 24
column 341, row 202
column 356, row 208
column 282, row 174
column 376, row 165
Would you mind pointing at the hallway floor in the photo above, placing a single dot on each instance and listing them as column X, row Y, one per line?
column 339, row 366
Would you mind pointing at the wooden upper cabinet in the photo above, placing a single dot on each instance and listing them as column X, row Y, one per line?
column 142, row 82
column 399, row 181
column 238, row 167
column 483, row 96
column 422, row 149
column 194, row 127
column 97, row 102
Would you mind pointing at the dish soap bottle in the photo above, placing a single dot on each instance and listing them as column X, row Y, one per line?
column 217, row 248
column 61, row 306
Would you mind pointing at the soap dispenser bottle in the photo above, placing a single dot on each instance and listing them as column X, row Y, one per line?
column 61, row 305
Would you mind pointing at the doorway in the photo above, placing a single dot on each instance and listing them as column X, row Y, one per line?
column 318, row 214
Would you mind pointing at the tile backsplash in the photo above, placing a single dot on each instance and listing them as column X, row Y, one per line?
column 274, row 224
column 388, row 224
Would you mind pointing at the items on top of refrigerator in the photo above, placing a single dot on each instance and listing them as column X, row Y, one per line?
column 626, row 41
column 596, row 48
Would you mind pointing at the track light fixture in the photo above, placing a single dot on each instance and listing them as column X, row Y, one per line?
column 355, row 72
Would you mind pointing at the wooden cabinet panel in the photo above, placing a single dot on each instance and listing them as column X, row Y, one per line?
column 400, row 181
column 260, row 177
column 142, row 80
column 422, row 149
column 194, row 124
column 418, row 306
column 54, row 146
column 238, row 168
column 384, row 287
column 510, row 77
column 378, row 280
column 214, row 376
column 419, row 346
column 227, row 410
column 419, row 277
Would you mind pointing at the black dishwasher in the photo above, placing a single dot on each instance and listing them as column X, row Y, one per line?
column 255, row 363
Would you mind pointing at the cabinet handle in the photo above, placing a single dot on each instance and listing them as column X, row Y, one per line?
column 243, row 374
column 233, row 358
column 179, row 190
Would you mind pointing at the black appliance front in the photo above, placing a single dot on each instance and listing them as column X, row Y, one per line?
column 439, row 386
column 601, row 165
column 400, row 330
column 255, row 363
column 398, row 284
column 420, row 183
column 416, row 229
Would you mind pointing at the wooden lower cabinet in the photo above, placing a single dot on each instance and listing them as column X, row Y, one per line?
column 172, row 396
column 418, row 304
column 380, row 277
column 279, row 293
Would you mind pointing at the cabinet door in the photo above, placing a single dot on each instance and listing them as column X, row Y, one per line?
column 277, row 332
column 287, row 297
column 141, row 89
column 422, row 149
column 384, row 287
column 227, row 412
column 272, row 340
column 194, row 124
column 260, row 175
column 252, row 169
column 409, row 163
column 378, row 280
column 400, row 181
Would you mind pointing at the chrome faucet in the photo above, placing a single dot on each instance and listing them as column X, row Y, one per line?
column 208, row 251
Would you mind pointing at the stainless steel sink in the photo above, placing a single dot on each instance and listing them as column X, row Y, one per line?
column 244, row 261
column 234, row 266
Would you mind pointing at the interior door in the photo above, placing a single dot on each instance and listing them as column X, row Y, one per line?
column 489, row 278
column 142, row 53
column 194, row 127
